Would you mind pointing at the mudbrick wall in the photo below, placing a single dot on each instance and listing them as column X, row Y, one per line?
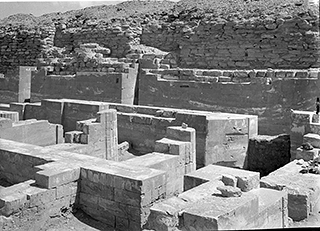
column 257, row 42
column 22, row 47
column 117, row 38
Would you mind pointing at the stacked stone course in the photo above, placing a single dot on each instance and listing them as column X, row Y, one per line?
column 23, row 47
column 252, row 43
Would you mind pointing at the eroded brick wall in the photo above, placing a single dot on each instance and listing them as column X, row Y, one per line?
column 117, row 38
column 250, row 43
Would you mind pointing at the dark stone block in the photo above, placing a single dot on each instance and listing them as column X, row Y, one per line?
column 268, row 153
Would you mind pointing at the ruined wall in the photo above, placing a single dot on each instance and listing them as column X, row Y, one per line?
column 256, row 42
column 22, row 47
column 33, row 132
column 117, row 38
column 114, row 86
column 270, row 94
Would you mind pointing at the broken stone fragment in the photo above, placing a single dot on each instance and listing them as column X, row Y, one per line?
column 229, row 191
column 184, row 125
column 229, row 180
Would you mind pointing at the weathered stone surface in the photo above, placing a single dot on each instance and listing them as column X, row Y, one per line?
column 246, row 180
column 229, row 191
column 215, row 213
column 303, row 192
column 229, row 180
column 273, row 209
column 268, row 153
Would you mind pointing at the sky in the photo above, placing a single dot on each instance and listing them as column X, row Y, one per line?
column 37, row 8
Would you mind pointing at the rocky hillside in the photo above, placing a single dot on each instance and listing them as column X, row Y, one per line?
column 139, row 11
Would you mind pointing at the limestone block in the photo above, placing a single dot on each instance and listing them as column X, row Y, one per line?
column 246, row 180
column 303, row 192
column 268, row 153
column 12, row 203
column 229, row 180
column 217, row 213
column 164, row 216
column 67, row 190
column 55, row 174
column 202, row 191
column 313, row 139
column 96, row 189
column 170, row 164
column 39, row 196
column 273, row 209
column 229, row 191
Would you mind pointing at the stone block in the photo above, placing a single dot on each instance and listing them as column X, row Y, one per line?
column 40, row 196
column 170, row 164
column 229, row 180
column 273, row 209
column 201, row 191
column 216, row 213
column 246, row 180
column 125, row 177
column 164, row 216
column 303, row 192
column 56, row 174
column 67, row 190
column 184, row 134
column 229, row 191
column 306, row 154
column 313, row 139
column 268, row 153
column 131, row 198
column 12, row 203
column 96, row 189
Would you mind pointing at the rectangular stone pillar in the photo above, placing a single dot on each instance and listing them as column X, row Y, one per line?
column 185, row 134
column 109, row 120
column 25, row 83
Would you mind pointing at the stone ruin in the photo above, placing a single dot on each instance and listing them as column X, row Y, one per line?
column 187, row 120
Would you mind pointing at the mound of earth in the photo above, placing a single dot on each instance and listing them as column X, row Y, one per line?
column 141, row 12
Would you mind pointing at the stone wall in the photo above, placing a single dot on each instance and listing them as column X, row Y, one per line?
column 22, row 47
column 142, row 126
column 271, row 94
column 256, row 42
column 118, row 85
column 117, row 38
column 37, row 132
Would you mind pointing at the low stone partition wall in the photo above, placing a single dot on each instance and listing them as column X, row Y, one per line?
column 221, row 137
column 203, row 207
column 235, row 76
column 115, row 193
column 115, row 86
column 303, row 189
column 268, row 93
column 37, row 132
